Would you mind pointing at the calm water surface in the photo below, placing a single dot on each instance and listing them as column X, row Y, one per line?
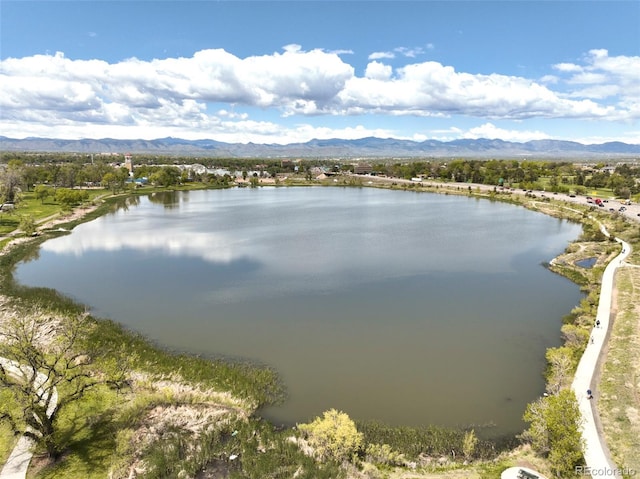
column 404, row 307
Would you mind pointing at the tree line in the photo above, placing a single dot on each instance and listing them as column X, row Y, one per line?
column 71, row 170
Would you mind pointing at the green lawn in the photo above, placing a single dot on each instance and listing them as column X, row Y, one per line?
column 89, row 430
column 37, row 209
column 7, row 442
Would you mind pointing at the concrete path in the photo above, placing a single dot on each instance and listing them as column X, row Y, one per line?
column 20, row 458
column 596, row 454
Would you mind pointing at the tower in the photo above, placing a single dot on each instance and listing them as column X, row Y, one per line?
column 128, row 163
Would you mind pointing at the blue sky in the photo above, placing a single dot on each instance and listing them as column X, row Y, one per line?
column 288, row 71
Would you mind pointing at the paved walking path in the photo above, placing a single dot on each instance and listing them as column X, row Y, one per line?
column 596, row 455
column 20, row 458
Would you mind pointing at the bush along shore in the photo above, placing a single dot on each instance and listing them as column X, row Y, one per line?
column 175, row 415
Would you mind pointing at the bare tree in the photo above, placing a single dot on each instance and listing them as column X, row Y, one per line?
column 10, row 181
column 43, row 369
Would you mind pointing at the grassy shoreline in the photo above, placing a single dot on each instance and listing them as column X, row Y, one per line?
column 198, row 371
column 163, row 379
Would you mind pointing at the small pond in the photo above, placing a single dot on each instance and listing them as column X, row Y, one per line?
column 586, row 263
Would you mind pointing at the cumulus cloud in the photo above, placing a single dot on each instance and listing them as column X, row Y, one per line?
column 171, row 96
column 432, row 89
column 489, row 130
column 567, row 67
column 601, row 76
column 378, row 71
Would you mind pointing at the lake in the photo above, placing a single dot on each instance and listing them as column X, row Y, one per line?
column 410, row 308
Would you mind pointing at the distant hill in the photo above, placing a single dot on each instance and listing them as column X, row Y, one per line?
column 332, row 148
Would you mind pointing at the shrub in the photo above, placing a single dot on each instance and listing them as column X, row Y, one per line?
column 333, row 437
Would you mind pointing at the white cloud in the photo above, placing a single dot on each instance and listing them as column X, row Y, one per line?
column 567, row 67
column 409, row 52
column 446, row 134
column 51, row 95
column 232, row 114
column 381, row 55
column 604, row 77
column 341, row 52
column 489, row 130
column 589, row 78
column 378, row 71
column 431, row 89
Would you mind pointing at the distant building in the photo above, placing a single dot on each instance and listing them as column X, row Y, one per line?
column 363, row 169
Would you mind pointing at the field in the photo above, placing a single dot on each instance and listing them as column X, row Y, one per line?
column 620, row 381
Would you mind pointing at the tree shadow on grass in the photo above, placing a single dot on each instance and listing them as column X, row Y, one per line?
column 89, row 446
column 8, row 223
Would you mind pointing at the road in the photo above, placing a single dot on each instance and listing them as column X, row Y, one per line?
column 631, row 212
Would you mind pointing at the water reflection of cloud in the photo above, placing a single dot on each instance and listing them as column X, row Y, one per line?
column 209, row 246
column 323, row 251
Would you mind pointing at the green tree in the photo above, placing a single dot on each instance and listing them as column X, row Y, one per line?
column 42, row 192
column 116, row 179
column 44, row 370
column 166, row 176
column 554, row 431
column 68, row 175
column 334, row 436
column 53, row 173
column 69, row 198
column 109, row 181
column 27, row 225
column 30, row 176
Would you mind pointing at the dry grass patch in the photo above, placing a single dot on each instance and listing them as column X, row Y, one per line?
column 620, row 382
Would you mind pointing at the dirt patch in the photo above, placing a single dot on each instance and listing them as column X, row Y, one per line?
column 194, row 419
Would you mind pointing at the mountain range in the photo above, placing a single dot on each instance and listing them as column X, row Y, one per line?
column 331, row 148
